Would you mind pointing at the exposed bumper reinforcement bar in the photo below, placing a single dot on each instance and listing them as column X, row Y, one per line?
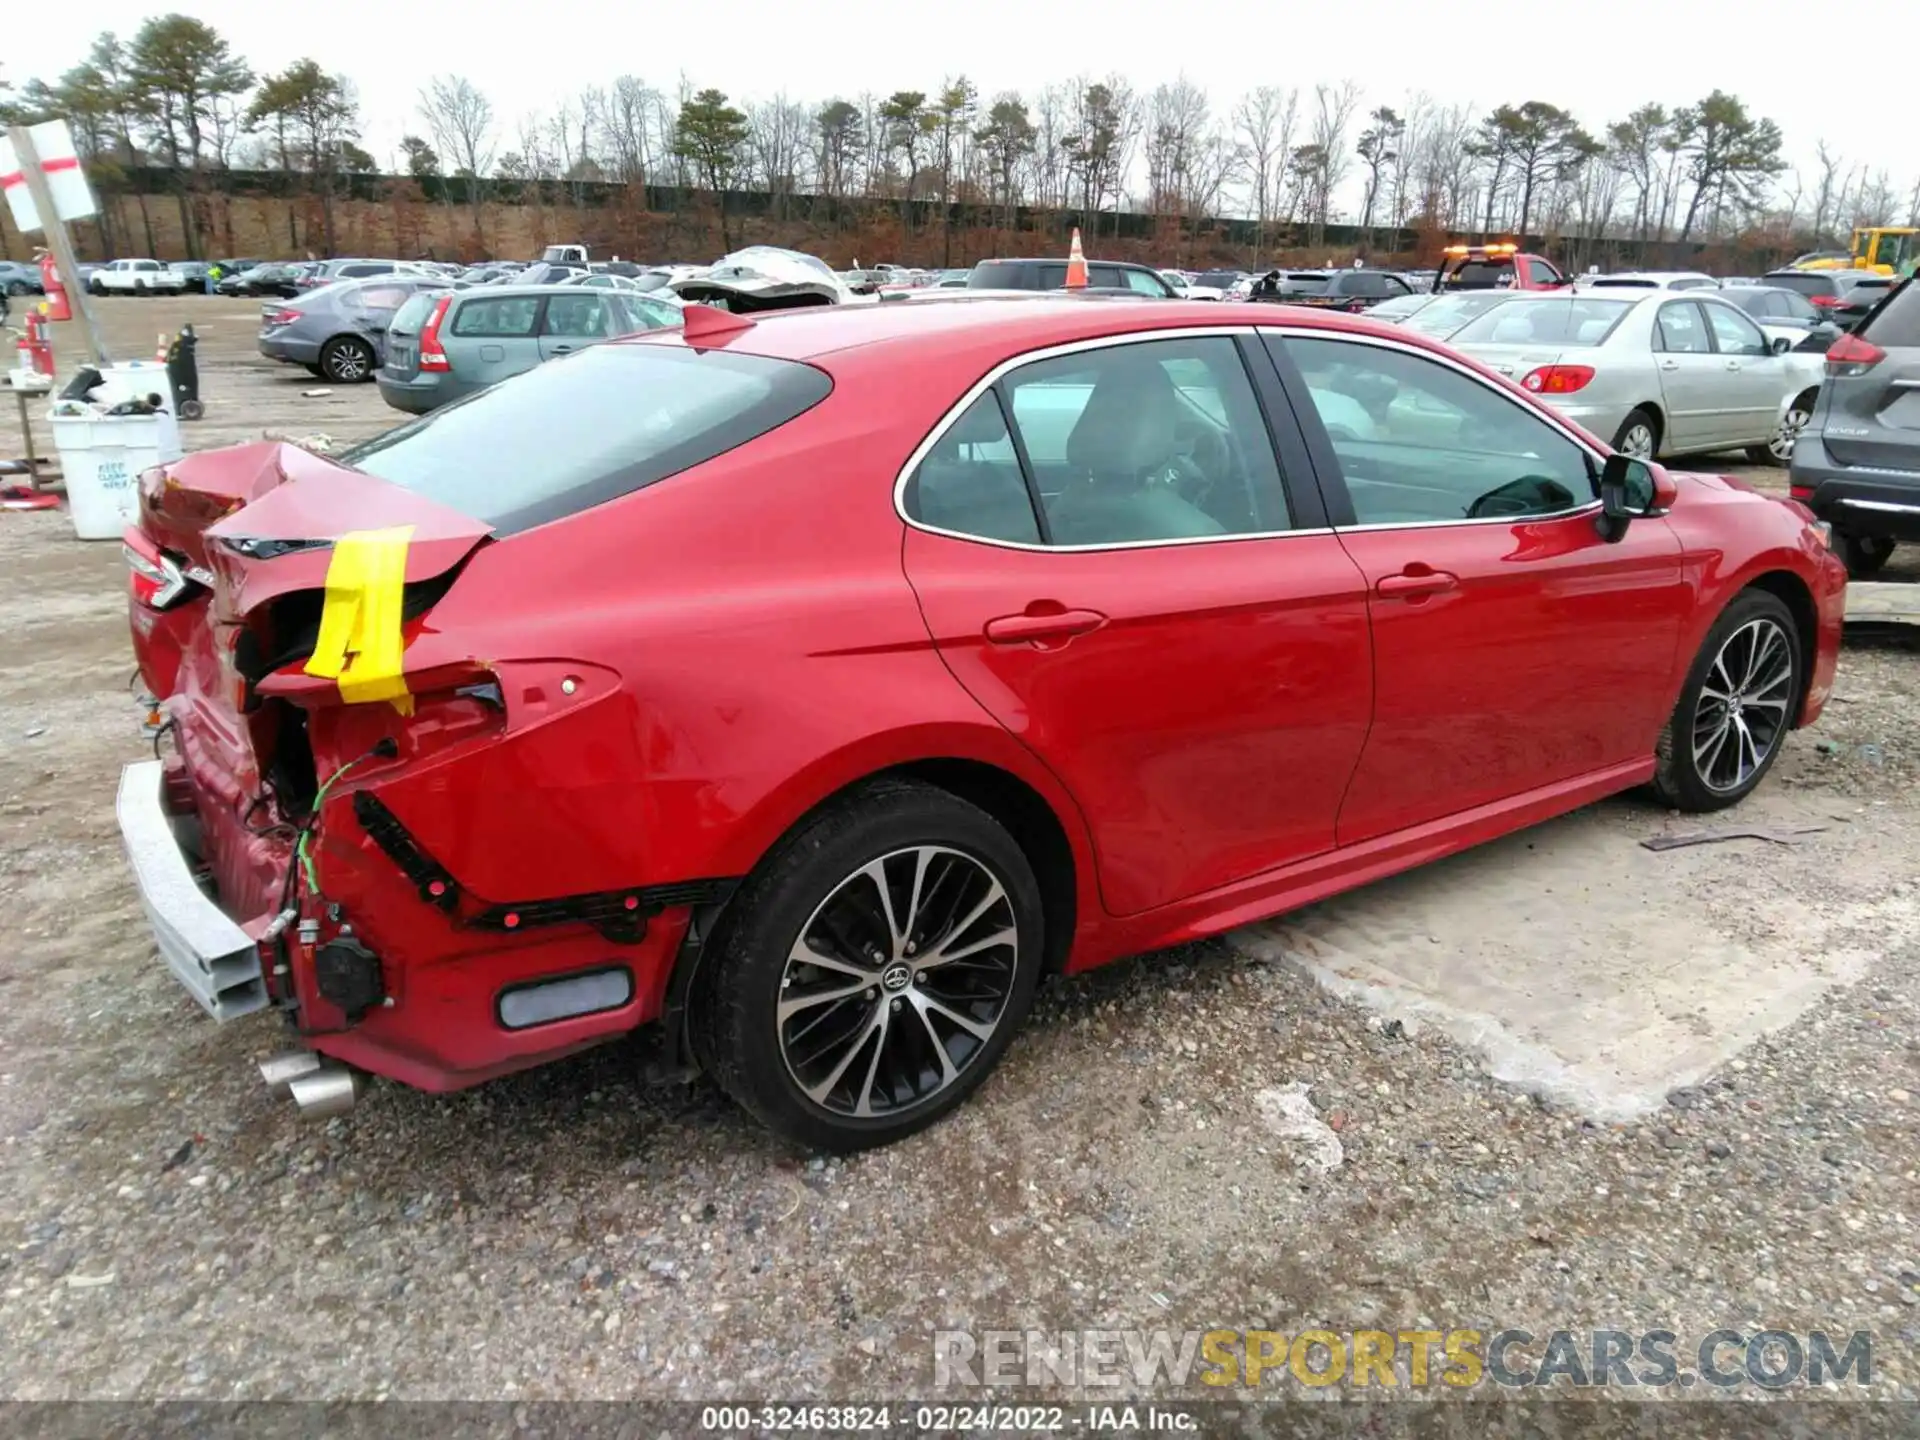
column 207, row 952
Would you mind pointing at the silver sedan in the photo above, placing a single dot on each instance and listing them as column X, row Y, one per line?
column 1657, row 374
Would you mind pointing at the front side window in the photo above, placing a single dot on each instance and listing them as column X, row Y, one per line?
column 1541, row 273
column 1420, row 442
column 1734, row 333
column 1128, row 444
column 1679, row 330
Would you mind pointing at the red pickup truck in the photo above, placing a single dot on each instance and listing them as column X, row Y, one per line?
column 1496, row 267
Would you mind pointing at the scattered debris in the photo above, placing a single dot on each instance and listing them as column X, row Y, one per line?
column 319, row 394
column 89, row 1282
column 1290, row 1115
column 179, row 1157
column 1788, row 836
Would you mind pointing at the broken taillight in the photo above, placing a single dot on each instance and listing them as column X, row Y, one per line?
column 160, row 580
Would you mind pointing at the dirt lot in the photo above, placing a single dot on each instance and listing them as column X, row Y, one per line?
column 169, row 1230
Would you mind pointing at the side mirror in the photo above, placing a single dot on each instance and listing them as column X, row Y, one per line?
column 1631, row 490
column 1781, row 345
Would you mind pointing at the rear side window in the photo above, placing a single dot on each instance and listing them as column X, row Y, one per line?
column 970, row 483
column 563, row 438
column 1146, row 442
column 504, row 316
column 1897, row 324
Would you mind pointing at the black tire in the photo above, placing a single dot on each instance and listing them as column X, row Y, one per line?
column 1696, row 782
column 315, row 371
column 1864, row 558
column 735, row 1024
column 1640, row 419
column 94, row 287
column 347, row 360
column 16, row 287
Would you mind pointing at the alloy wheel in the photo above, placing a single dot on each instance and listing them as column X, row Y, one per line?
column 1637, row 442
column 1742, row 710
column 1780, row 444
column 348, row 363
column 897, row 982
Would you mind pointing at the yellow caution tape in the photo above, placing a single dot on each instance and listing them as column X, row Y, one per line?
column 359, row 643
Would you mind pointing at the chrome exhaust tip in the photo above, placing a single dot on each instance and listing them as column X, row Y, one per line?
column 328, row 1090
column 282, row 1070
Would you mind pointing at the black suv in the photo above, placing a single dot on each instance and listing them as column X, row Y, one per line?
column 1052, row 275
column 1857, row 464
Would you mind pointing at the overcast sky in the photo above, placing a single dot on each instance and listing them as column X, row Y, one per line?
column 1598, row 61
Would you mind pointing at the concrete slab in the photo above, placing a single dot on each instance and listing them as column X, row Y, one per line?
column 1595, row 972
column 1883, row 602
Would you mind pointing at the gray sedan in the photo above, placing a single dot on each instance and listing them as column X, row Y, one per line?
column 1658, row 373
column 441, row 347
column 338, row 332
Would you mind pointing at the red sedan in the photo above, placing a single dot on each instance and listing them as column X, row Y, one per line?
column 812, row 685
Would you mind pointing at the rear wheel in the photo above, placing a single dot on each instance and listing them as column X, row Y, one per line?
column 1639, row 435
column 872, row 970
column 346, row 360
column 1735, row 708
column 1863, row 558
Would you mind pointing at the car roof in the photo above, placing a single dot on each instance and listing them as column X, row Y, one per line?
column 1000, row 325
column 1061, row 260
column 494, row 292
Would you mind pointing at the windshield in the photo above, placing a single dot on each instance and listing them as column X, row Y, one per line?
column 577, row 432
column 1623, row 282
column 1479, row 275
column 1573, row 321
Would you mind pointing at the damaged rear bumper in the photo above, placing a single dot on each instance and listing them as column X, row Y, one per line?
column 208, row 953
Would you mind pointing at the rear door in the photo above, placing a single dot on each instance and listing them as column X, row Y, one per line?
column 1871, row 416
column 372, row 306
column 1171, row 628
column 1692, row 381
column 489, row 338
column 572, row 321
column 1514, row 650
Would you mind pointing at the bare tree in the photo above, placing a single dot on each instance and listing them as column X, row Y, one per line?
column 461, row 121
column 1264, row 121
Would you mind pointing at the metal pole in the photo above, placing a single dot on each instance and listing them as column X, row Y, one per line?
column 57, row 240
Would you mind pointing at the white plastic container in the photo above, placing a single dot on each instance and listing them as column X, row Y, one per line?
column 133, row 380
column 101, row 457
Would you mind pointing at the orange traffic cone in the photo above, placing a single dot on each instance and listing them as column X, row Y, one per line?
column 1076, row 263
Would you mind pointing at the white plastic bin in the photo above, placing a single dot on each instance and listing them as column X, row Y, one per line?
column 133, row 380
column 101, row 457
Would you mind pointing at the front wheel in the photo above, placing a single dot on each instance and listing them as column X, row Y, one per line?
column 1779, row 447
column 1735, row 708
column 872, row 970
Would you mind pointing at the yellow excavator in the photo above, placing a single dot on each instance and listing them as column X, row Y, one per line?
column 1882, row 249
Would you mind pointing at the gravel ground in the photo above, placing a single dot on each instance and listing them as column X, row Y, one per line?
column 171, row 1231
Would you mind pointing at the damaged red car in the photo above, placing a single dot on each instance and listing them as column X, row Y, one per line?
column 803, row 689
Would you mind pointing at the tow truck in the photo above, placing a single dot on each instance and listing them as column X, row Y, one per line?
column 1503, row 266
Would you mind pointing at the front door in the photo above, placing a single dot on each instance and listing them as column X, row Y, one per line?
column 1513, row 647
column 1123, row 580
